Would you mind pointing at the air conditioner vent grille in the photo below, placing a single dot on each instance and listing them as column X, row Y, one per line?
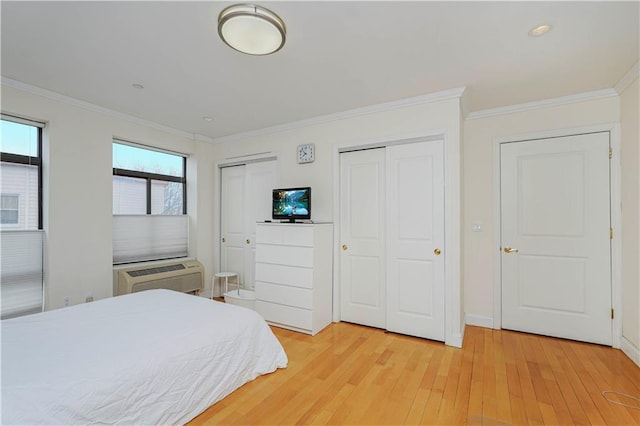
column 156, row 270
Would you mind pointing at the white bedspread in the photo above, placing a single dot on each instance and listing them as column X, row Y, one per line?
column 154, row 357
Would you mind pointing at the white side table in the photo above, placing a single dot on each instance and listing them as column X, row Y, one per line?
column 226, row 276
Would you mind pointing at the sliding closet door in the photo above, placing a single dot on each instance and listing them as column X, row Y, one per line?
column 260, row 179
column 232, row 246
column 362, row 217
column 245, row 200
column 392, row 238
column 415, row 239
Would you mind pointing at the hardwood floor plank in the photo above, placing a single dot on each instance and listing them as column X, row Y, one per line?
column 349, row 374
column 503, row 408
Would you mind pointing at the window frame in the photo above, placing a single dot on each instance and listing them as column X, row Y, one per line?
column 27, row 159
column 149, row 177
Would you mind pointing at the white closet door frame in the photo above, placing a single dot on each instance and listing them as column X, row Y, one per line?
column 616, row 219
column 217, row 197
column 454, row 315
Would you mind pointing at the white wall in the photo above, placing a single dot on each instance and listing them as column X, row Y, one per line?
column 630, row 153
column 431, row 118
column 77, row 193
column 478, row 184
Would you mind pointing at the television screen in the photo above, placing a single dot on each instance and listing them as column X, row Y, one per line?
column 292, row 203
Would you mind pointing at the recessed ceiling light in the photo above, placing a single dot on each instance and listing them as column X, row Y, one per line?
column 207, row 118
column 539, row 30
column 137, row 86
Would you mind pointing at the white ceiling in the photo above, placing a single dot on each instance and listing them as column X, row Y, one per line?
column 338, row 56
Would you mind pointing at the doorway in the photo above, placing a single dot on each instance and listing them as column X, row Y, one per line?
column 245, row 198
column 555, row 236
column 392, row 238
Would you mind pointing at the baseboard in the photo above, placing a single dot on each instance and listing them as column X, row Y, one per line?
column 478, row 320
column 630, row 350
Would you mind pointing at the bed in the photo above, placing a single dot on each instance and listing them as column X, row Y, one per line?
column 154, row 357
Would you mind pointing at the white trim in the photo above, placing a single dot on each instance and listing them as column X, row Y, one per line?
column 456, row 339
column 371, row 109
column 478, row 320
column 453, row 321
column 630, row 350
column 545, row 103
column 616, row 224
column 616, row 218
column 101, row 110
column 628, row 78
column 245, row 159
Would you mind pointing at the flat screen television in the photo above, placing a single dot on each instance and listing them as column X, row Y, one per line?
column 291, row 204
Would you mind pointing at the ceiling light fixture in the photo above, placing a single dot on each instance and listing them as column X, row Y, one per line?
column 137, row 86
column 539, row 30
column 251, row 29
column 207, row 118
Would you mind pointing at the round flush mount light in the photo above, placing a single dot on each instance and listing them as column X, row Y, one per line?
column 207, row 118
column 251, row 29
column 137, row 86
column 539, row 30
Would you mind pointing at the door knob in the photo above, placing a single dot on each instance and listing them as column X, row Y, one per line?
column 510, row 250
column 345, row 247
column 248, row 241
column 224, row 240
column 437, row 252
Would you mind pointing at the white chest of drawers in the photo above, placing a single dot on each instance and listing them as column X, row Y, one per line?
column 293, row 281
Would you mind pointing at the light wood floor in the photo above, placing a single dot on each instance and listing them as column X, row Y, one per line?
column 349, row 374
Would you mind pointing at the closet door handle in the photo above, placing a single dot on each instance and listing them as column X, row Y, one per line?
column 248, row 241
column 437, row 252
column 224, row 240
column 345, row 247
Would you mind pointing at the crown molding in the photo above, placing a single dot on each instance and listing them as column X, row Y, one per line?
column 628, row 78
column 371, row 109
column 546, row 103
column 100, row 110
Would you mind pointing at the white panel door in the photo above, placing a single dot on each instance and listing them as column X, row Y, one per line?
column 556, row 256
column 245, row 200
column 232, row 226
column 260, row 179
column 415, row 239
column 362, row 220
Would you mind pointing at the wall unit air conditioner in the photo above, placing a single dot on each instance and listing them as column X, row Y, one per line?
column 185, row 276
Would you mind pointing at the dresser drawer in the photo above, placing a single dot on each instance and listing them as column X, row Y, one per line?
column 283, row 274
column 294, row 235
column 297, row 235
column 286, row 315
column 284, row 255
column 285, row 295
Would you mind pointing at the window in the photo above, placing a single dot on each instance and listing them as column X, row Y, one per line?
column 21, row 251
column 147, row 181
column 149, row 204
column 9, row 213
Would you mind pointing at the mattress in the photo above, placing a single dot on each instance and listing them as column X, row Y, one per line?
column 154, row 357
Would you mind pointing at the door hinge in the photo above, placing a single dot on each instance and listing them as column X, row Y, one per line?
column 612, row 313
column 611, row 233
column 610, row 153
